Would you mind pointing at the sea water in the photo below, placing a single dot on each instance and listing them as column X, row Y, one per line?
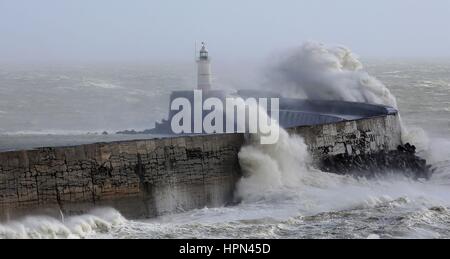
column 284, row 198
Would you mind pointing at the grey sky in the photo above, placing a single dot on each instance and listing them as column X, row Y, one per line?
column 146, row 31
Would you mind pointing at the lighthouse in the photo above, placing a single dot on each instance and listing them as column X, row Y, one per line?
column 204, row 70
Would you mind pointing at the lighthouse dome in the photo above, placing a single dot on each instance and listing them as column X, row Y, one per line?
column 203, row 52
column 203, row 49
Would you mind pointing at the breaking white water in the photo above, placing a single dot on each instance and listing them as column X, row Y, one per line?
column 320, row 72
column 316, row 71
column 280, row 200
column 283, row 197
column 40, row 227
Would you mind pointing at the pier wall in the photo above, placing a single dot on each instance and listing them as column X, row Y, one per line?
column 356, row 137
column 141, row 178
column 147, row 178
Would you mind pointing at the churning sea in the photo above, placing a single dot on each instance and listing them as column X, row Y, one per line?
column 45, row 106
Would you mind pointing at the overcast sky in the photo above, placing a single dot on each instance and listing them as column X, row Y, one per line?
column 146, row 30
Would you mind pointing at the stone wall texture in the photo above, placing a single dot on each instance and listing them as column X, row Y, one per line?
column 141, row 178
column 146, row 178
column 352, row 137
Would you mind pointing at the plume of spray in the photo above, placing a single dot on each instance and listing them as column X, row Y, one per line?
column 318, row 72
column 315, row 71
column 277, row 168
column 283, row 173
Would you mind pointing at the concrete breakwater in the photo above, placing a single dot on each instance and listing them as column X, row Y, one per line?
column 366, row 148
column 146, row 178
column 141, row 178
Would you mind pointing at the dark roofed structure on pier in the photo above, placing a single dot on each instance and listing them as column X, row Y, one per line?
column 293, row 112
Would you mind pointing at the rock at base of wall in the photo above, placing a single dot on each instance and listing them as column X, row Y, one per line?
column 403, row 160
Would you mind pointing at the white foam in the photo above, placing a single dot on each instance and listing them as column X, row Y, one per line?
column 283, row 171
column 42, row 227
column 316, row 71
column 100, row 84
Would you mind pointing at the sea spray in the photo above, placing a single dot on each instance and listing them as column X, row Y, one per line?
column 282, row 173
column 43, row 227
column 277, row 168
column 271, row 167
column 319, row 72
column 316, row 71
column 416, row 136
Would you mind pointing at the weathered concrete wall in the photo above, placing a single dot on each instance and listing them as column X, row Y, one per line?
column 352, row 137
column 141, row 178
column 363, row 148
column 145, row 178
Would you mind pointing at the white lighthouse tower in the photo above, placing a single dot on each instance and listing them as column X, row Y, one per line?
column 204, row 70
